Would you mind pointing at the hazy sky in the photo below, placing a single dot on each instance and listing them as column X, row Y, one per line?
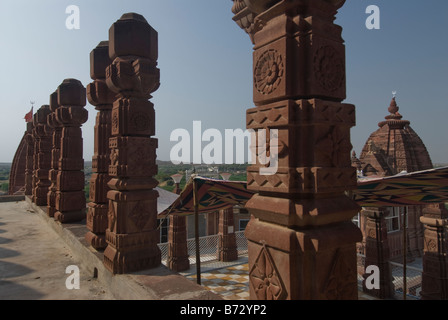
column 206, row 61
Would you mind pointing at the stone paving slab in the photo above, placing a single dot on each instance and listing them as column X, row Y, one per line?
column 33, row 260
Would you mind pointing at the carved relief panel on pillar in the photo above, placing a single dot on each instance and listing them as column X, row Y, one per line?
column 305, row 165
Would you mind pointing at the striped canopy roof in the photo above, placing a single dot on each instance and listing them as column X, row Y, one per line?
column 213, row 194
column 417, row 188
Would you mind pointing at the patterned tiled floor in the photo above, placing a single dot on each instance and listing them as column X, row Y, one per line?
column 232, row 282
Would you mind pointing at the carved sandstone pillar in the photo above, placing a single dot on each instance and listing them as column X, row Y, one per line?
column 228, row 250
column 55, row 154
column 70, row 197
column 177, row 237
column 102, row 98
column 132, row 233
column 377, row 251
column 35, row 153
column 29, row 159
column 435, row 261
column 177, row 244
column 42, row 159
column 302, row 244
column 415, row 231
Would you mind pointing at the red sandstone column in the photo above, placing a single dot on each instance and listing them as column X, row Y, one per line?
column 132, row 233
column 227, row 248
column 102, row 98
column 415, row 231
column 177, row 237
column 301, row 241
column 70, row 197
column 177, row 244
column 377, row 251
column 435, row 261
column 42, row 159
column 177, row 178
column 55, row 154
column 29, row 159
column 35, row 153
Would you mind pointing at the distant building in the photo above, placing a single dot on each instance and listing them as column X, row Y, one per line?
column 208, row 222
column 392, row 149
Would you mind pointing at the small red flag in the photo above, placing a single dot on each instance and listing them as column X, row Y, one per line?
column 29, row 116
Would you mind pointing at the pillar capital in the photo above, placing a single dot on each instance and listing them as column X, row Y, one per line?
column 98, row 93
column 133, row 71
column 52, row 121
column 253, row 16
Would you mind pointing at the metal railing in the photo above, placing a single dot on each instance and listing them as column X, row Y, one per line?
column 241, row 243
column 413, row 278
column 360, row 267
column 164, row 250
column 208, row 248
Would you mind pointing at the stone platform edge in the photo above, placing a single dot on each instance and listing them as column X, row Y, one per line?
column 154, row 284
column 12, row 198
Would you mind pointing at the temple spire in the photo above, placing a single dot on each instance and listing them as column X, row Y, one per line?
column 393, row 107
column 394, row 118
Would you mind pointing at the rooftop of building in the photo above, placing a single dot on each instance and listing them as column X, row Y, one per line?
column 393, row 148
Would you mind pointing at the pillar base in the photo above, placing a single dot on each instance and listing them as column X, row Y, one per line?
column 178, row 264
column 41, row 202
column 228, row 250
column 310, row 264
column 96, row 222
column 51, row 202
column 97, row 241
column 434, row 277
column 178, row 247
column 131, row 252
column 51, row 211
column 70, row 216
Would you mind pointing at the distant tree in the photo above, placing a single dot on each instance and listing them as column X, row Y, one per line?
column 87, row 191
column 5, row 187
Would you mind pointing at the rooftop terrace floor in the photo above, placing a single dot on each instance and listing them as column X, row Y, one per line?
column 33, row 260
column 35, row 252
